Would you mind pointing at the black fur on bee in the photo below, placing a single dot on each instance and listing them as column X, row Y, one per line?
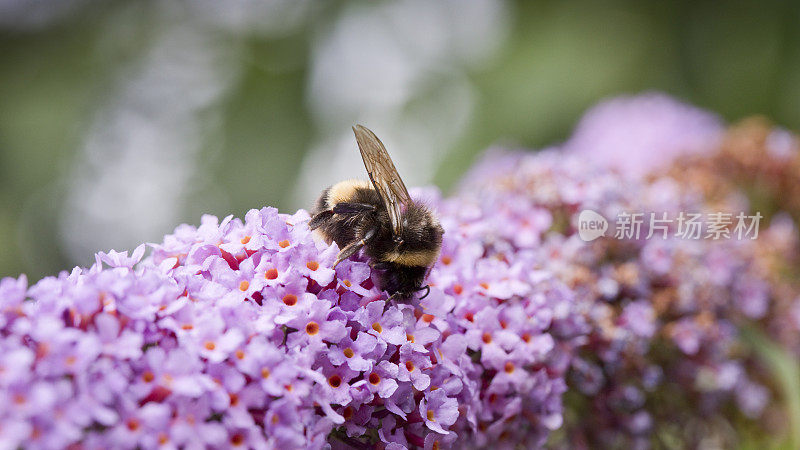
column 401, row 237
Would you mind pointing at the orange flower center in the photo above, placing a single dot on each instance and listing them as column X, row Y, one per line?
column 245, row 240
column 148, row 376
column 133, row 424
column 431, row 416
column 265, row 373
column 335, row 381
column 374, row 378
column 348, row 352
column 239, row 354
column 271, row 274
column 290, row 299
column 284, row 243
column 244, row 285
column 487, row 338
column 377, row 327
column 312, row 328
column 210, row 345
column 509, row 367
column 458, row 289
column 409, row 366
column 312, row 265
column 446, row 260
column 427, row 318
column 237, row 439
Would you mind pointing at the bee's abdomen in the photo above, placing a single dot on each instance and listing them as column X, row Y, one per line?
column 412, row 258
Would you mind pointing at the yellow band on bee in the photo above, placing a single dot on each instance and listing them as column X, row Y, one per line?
column 343, row 191
column 414, row 258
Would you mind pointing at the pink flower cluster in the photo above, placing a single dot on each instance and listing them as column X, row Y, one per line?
column 642, row 133
column 665, row 313
column 241, row 334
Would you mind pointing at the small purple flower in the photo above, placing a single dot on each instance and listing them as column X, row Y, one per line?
column 337, row 389
column 438, row 411
column 356, row 354
column 121, row 259
column 319, row 323
column 316, row 265
column 387, row 325
column 212, row 341
column 639, row 318
column 752, row 398
column 412, row 368
column 351, row 274
column 752, row 297
column 382, row 380
column 687, row 336
column 12, row 292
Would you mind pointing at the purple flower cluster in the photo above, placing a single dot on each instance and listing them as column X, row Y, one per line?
column 638, row 134
column 664, row 343
column 241, row 334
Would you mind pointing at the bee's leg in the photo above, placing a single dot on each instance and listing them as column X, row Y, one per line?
column 427, row 289
column 350, row 249
column 350, row 208
column 403, row 295
column 319, row 219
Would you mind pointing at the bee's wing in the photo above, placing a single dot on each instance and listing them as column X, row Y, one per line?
column 383, row 175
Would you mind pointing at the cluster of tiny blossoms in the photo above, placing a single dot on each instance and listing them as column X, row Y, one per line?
column 663, row 312
column 664, row 355
column 240, row 334
column 638, row 134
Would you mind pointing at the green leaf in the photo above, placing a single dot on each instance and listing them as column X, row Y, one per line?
column 785, row 372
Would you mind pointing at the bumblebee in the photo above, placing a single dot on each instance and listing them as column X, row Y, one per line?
column 401, row 237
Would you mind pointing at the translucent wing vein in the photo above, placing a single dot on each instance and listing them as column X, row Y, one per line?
column 383, row 175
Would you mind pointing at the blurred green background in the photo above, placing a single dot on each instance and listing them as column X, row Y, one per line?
column 121, row 119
